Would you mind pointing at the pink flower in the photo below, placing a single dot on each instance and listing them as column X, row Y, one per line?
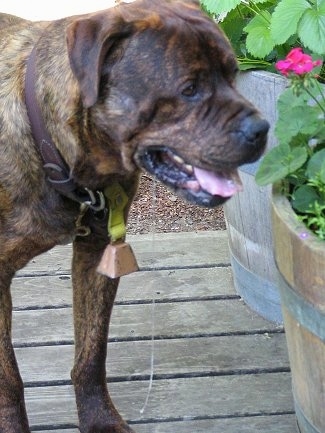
column 283, row 66
column 297, row 62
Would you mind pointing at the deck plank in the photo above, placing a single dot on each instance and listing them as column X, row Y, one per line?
column 194, row 318
column 260, row 424
column 152, row 251
column 187, row 399
column 179, row 357
column 140, row 287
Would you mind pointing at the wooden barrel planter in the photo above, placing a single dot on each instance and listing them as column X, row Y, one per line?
column 300, row 257
column 248, row 214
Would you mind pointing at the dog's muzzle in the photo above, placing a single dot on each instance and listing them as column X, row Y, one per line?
column 251, row 138
column 207, row 186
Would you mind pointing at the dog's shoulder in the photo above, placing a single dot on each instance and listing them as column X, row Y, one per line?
column 7, row 21
column 12, row 25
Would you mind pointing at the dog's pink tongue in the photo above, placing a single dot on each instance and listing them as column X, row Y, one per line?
column 218, row 184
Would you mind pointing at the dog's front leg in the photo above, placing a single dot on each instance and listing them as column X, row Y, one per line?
column 13, row 417
column 94, row 295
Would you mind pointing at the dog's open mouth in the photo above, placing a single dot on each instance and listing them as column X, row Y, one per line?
column 203, row 187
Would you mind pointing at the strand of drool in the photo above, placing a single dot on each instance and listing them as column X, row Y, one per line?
column 153, row 304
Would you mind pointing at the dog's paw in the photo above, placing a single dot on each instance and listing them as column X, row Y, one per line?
column 108, row 426
column 100, row 416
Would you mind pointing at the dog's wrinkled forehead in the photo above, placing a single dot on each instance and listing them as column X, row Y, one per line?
column 177, row 17
column 91, row 38
column 144, row 9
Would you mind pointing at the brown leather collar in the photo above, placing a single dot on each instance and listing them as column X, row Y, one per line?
column 56, row 169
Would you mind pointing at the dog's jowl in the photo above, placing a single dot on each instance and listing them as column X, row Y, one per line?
column 86, row 103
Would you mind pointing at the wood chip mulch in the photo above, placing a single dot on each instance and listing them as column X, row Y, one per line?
column 157, row 210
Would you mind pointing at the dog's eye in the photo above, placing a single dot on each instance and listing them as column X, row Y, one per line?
column 190, row 90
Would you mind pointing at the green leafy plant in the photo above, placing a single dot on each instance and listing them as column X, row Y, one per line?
column 262, row 31
column 299, row 159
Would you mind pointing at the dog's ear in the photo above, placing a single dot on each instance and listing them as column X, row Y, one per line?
column 90, row 38
column 89, row 41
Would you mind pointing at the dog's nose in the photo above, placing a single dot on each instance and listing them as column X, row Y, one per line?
column 254, row 130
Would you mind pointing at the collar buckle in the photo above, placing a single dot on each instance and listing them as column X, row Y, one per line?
column 96, row 200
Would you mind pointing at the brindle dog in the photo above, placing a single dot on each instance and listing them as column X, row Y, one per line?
column 146, row 85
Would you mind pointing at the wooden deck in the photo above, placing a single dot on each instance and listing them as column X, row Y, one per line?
column 218, row 367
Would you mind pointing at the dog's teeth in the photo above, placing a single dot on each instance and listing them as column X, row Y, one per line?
column 192, row 185
column 188, row 168
column 178, row 159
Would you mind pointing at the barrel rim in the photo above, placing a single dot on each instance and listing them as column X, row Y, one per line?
column 283, row 209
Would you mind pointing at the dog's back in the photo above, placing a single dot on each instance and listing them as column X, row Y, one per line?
column 9, row 20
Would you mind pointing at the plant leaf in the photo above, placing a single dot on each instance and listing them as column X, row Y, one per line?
column 316, row 166
column 297, row 120
column 303, row 198
column 295, row 116
column 278, row 163
column 220, row 6
column 285, row 18
column 311, row 28
column 247, row 63
column 259, row 41
column 233, row 28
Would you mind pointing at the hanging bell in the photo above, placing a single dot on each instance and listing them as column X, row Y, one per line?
column 117, row 260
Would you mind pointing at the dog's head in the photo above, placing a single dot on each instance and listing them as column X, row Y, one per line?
column 158, row 76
